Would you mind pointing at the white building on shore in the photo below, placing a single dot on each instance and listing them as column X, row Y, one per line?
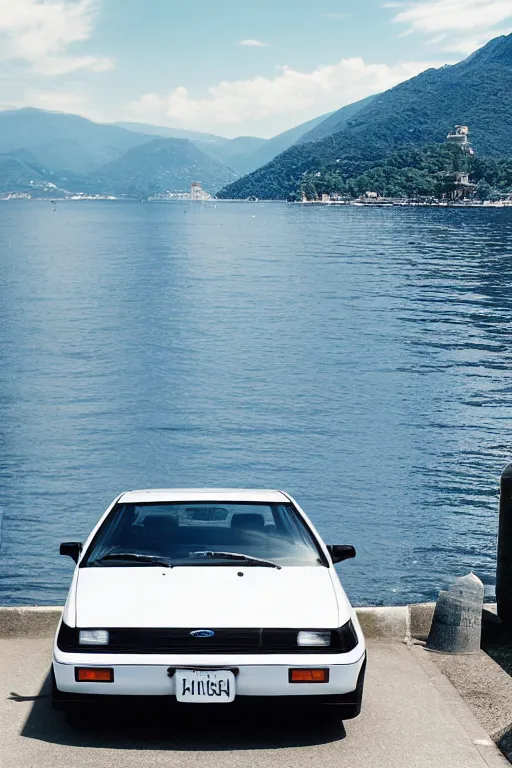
column 460, row 137
column 197, row 192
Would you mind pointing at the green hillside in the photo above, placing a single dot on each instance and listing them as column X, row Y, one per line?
column 476, row 92
column 274, row 146
column 334, row 123
column 19, row 172
column 427, row 171
column 244, row 153
column 59, row 141
column 159, row 166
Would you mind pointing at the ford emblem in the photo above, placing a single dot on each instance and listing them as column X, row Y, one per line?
column 203, row 633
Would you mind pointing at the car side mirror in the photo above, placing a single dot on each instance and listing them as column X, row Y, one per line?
column 71, row 548
column 340, row 552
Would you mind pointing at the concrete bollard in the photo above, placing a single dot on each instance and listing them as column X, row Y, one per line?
column 457, row 623
column 504, row 565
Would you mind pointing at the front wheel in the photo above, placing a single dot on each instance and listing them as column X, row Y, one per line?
column 72, row 710
column 58, row 705
column 344, row 711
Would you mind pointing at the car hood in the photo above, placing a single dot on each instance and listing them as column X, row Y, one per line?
column 208, row 596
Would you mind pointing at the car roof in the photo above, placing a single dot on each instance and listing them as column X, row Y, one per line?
column 204, row 494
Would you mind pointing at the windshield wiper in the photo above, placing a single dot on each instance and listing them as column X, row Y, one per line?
column 236, row 556
column 153, row 559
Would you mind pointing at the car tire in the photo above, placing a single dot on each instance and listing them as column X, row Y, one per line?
column 71, row 709
column 345, row 711
column 74, row 714
column 315, row 714
column 351, row 709
column 58, row 705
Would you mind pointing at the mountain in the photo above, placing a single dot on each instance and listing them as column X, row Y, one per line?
column 244, row 153
column 19, row 171
column 430, row 170
column 159, row 166
column 270, row 148
column 170, row 133
column 234, row 152
column 335, row 122
column 45, row 151
column 61, row 141
column 475, row 92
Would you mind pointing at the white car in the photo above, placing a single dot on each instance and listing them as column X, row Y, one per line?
column 208, row 596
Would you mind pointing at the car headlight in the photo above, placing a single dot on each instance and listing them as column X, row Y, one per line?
column 341, row 640
column 314, row 639
column 93, row 637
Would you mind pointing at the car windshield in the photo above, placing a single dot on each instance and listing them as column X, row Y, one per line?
column 209, row 534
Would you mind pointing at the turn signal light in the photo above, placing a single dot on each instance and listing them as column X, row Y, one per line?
column 308, row 675
column 94, row 675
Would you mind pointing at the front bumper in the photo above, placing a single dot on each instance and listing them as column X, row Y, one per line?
column 258, row 676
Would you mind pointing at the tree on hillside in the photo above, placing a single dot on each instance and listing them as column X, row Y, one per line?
column 483, row 190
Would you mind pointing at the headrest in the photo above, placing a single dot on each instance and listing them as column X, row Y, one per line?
column 161, row 523
column 251, row 522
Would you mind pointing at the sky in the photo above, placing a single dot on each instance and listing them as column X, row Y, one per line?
column 230, row 67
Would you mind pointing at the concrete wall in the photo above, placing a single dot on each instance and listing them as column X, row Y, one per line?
column 395, row 623
column 29, row 622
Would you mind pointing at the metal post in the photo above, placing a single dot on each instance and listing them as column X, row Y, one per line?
column 504, row 564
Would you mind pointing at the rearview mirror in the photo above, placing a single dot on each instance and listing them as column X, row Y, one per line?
column 339, row 552
column 71, row 548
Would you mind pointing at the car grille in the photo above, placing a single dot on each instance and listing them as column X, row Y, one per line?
column 223, row 641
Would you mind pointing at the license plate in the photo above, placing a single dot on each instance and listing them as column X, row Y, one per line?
column 205, row 686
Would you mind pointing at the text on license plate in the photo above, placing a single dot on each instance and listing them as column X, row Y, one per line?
column 205, row 686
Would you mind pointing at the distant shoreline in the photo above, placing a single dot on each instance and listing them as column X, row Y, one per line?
column 310, row 203
column 406, row 204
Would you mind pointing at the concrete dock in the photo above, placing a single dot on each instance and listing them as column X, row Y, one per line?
column 412, row 718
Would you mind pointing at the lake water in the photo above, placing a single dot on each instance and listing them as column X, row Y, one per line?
column 360, row 359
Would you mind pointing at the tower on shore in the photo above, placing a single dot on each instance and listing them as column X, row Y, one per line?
column 196, row 190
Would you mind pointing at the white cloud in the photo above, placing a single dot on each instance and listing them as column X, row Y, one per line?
column 253, row 43
column 232, row 102
column 39, row 32
column 458, row 25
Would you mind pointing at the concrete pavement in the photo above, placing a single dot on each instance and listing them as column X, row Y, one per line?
column 412, row 718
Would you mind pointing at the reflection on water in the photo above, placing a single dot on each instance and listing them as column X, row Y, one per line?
column 357, row 358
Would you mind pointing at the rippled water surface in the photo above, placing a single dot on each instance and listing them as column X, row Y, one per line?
column 359, row 359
